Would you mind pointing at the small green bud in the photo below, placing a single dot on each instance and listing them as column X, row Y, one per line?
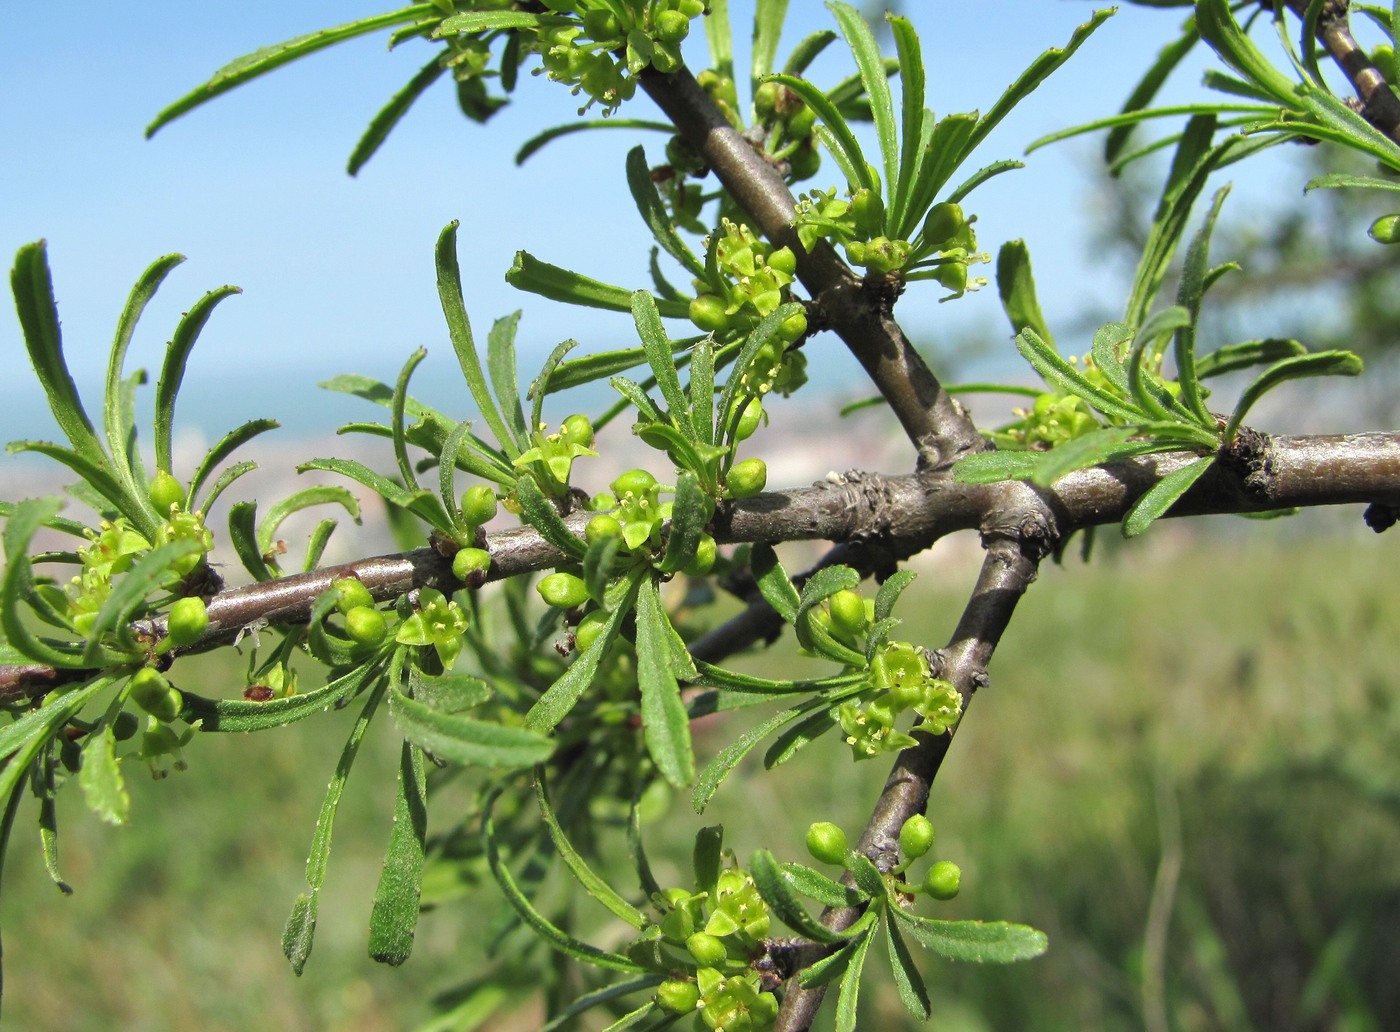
column 765, row 101
column 479, row 505
column 869, row 212
column 164, row 492
column 916, row 837
column 827, row 843
column 601, row 25
column 468, row 561
column 691, row 8
column 602, row 502
column 635, row 482
column 154, row 694
column 578, row 429
column 943, row 222
column 1386, row 229
column 804, row 163
column 672, row 26
column 707, row 949
column 589, row 628
column 677, row 997
column 125, row 726
column 847, row 613
column 350, row 594
column 749, row 420
column 562, row 590
column 783, row 260
column 791, row 329
column 953, row 276
column 707, row 312
column 602, row 526
column 943, row 880
column 704, row 559
column 364, row 625
column 187, row 620
column 747, row 478
column 801, row 123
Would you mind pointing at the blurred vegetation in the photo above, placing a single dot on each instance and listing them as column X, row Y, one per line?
column 1197, row 802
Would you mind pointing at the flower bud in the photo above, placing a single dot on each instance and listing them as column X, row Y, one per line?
column 704, row 559
column 602, row 526
column 869, row 212
column 749, row 420
column 589, row 628
column 187, row 620
column 479, row 504
column 635, row 482
column 943, row 880
column 791, row 329
column 677, row 996
column 1386, row 229
column 707, row 312
column 942, row 224
column 562, row 590
column 154, row 694
column 827, row 843
column 672, row 26
column 708, row 950
column 847, row 613
column 164, row 492
column 470, row 561
column 350, row 594
column 364, row 625
column 916, row 837
column 747, row 478
column 578, row 429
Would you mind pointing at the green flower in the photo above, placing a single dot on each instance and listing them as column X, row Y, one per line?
column 737, row 1003
column 552, row 457
column 901, row 680
column 437, row 621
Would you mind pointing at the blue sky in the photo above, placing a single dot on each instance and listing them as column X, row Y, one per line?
column 337, row 272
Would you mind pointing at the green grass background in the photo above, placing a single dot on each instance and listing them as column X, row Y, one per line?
column 1186, row 770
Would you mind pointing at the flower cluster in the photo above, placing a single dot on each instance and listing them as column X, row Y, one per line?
column 900, row 680
column 715, row 935
column 551, row 460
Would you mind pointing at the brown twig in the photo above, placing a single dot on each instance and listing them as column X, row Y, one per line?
column 1379, row 104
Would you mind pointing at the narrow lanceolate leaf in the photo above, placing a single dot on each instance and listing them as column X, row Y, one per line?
column 772, row 580
column 844, row 146
column 48, row 823
column 226, row 446
column 500, row 361
column 981, row 943
column 777, row 892
column 591, row 882
column 689, row 515
column 1321, row 363
column 663, row 367
column 300, row 932
column 460, row 739
column 849, row 994
column 871, row 65
column 454, row 310
column 542, row 926
column 236, row 715
column 1065, row 378
column 534, row 276
column 653, row 212
column 995, row 466
column 835, row 966
column 664, row 719
column 728, row 758
column 768, row 19
column 100, row 776
column 540, row 513
column 1234, row 357
column 38, row 319
column 1016, row 286
column 1163, row 495
column 1193, row 286
column 819, row 887
column 322, row 494
column 394, row 918
column 172, row 370
column 250, row 66
column 536, row 143
column 382, row 124
column 554, row 705
column 906, row 974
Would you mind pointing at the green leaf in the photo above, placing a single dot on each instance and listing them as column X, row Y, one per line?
column 1016, row 286
column 454, row 310
column 45, row 788
column 500, row 361
column 707, row 856
column 458, row 739
column 554, row 705
column 266, row 59
column 489, row 21
column 1320, row 363
column 389, row 116
column 871, row 65
column 104, row 789
column 654, row 213
column 690, row 514
column 843, row 142
column 734, row 681
column 665, row 722
column 243, row 535
column 396, row 425
column 768, row 19
column 1066, row 379
column 301, row 924
column 1339, row 179
column 777, row 892
column 172, row 371
column 849, row 993
column 425, row 504
column 536, row 143
column 1163, row 495
column 1234, row 357
column 38, row 319
column 992, row 467
column 597, row 998
column 533, row 276
column 658, row 351
column 906, row 974
column 819, row 887
column 322, row 494
column 539, row 512
column 541, row 925
column 975, row 941
column 227, row 444
column 591, row 882
column 773, row 582
column 1189, row 293
column 394, row 919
